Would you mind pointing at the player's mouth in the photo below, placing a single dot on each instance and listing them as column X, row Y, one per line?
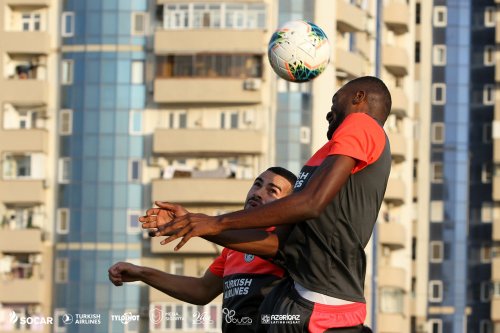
column 254, row 203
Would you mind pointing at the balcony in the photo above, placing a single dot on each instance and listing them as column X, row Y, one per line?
column 199, row 40
column 201, row 190
column 392, row 235
column 497, row 32
column 399, row 102
column 497, row 71
column 38, row 3
column 350, row 63
column 204, row 90
column 397, row 17
column 395, row 60
column 495, row 269
column 496, row 188
column 352, row 19
column 496, row 150
column 495, row 309
column 195, row 245
column 391, row 323
column 395, row 192
column 496, row 230
column 392, row 277
column 199, row 142
column 21, row 240
column 22, row 291
column 25, row 42
column 24, row 140
column 24, row 91
column 398, row 146
column 29, row 191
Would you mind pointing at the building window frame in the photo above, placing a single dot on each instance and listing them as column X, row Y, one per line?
column 436, row 251
column 135, row 170
column 67, row 24
column 489, row 94
column 61, row 270
column 137, row 72
column 135, row 122
column 435, row 291
column 437, row 172
column 139, row 29
column 66, row 122
column 435, row 325
column 67, row 71
column 489, row 55
column 133, row 224
column 440, row 16
column 439, row 93
column 64, row 170
column 437, row 133
column 489, row 16
column 63, row 221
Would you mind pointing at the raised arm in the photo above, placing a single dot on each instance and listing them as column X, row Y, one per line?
column 308, row 203
column 194, row 290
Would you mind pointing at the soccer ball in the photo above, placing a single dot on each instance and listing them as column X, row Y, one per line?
column 299, row 51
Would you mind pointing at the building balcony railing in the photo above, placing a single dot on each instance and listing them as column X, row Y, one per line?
column 24, row 140
column 21, row 240
column 496, row 188
column 496, row 230
column 205, row 90
column 25, row 42
column 398, row 146
column 194, row 246
column 399, row 102
column 397, row 16
column 392, row 277
column 495, row 309
column 195, row 190
column 29, row 191
column 495, row 269
column 395, row 192
column 201, row 40
column 353, row 18
column 395, row 60
column 22, row 291
column 29, row 91
column 392, row 235
column 391, row 323
column 207, row 142
column 349, row 63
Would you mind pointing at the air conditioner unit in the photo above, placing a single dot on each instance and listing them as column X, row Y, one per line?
column 252, row 84
column 249, row 117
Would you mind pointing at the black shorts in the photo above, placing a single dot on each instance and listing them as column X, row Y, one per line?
column 284, row 310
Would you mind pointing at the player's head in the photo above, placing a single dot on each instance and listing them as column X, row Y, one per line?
column 272, row 184
column 366, row 94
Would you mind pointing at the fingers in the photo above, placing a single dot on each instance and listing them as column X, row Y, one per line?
column 166, row 205
column 184, row 240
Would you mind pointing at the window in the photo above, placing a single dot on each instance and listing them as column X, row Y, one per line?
column 64, row 170
column 206, row 15
column 435, row 291
column 496, row 290
column 489, row 16
column 436, row 326
column 133, row 224
column 485, row 326
column 305, row 135
column 440, row 16
column 67, row 72
column 17, row 166
column 485, row 254
column 486, row 173
column 489, row 55
column 59, row 325
column 486, row 291
column 177, row 267
column 137, row 72
column 417, row 52
column 229, row 120
column 438, row 93
column 135, row 125
column 489, row 94
column 135, row 170
column 436, row 251
column 487, row 212
column 391, row 300
column 176, row 16
column 66, row 122
column 31, row 21
column 418, row 13
column 437, row 133
column 439, row 55
column 61, row 270
column 68, row 24
column 139, row 23
column 63, row 218
column 487, row 135
column 177, row 119
column 437, row 172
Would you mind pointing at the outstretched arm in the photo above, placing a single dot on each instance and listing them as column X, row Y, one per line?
column 199, row 291
column 308, row 203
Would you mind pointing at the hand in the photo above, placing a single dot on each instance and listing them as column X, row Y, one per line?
column 124, row 272
column 155, row 218
column 188, row 226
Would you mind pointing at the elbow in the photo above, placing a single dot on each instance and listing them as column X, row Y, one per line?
column 312, row 208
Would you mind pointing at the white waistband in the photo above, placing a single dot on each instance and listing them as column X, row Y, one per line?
column 318, row 297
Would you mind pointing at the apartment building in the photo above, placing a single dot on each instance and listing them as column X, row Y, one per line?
column 27, row 107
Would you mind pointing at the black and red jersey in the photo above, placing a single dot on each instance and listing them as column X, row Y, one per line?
column 326, row 254
column 247, row 279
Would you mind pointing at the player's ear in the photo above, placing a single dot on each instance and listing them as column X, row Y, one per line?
column 359, row 97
